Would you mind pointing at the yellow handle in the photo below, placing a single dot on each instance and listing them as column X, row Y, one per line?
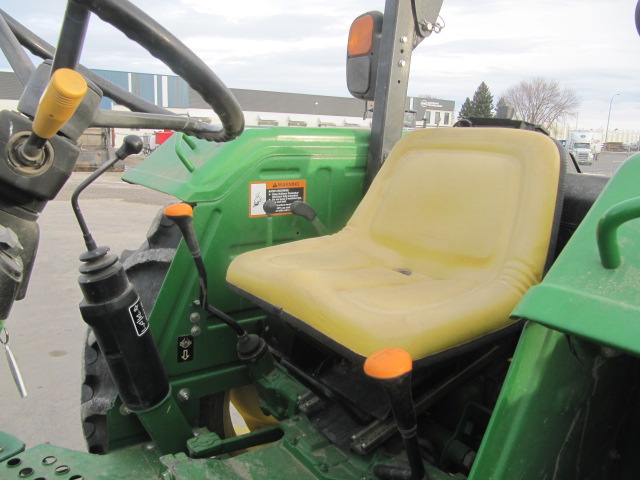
column 59, row 102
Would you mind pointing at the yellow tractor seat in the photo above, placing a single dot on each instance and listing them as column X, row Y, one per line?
column 455, row 228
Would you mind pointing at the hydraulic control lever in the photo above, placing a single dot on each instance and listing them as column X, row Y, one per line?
column 307, row 212
column 112, row 308
column 252, row 349
column 250, row 346
column 182, row 215
column 59, row 102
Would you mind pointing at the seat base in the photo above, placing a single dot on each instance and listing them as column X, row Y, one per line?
column 331, row 345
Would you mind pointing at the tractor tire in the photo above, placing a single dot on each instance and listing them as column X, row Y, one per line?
column 146, row 268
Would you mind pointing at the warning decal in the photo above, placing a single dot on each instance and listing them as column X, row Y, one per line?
column 282, row 192
column 185, row 348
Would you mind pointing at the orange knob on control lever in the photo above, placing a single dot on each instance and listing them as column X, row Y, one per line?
column 391, row 369
column 59, row 102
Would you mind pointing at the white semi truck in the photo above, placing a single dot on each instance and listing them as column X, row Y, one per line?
column 585, row 145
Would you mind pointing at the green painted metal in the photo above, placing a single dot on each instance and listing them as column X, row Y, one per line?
column 560, row 412
column 269, row 240
column 607, row 230
column 292, row 449
column 9, row 446
column 210, row 444
column 579, row 295
column 332, row 155
column 566, row 410
column 331, row 161
column 302, row 453
column 167, row 426
column 180, row 151
column 50, row 462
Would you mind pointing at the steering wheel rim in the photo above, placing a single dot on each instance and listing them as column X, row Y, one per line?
column 162, row 44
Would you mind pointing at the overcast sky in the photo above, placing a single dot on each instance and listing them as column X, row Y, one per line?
column 298, row 46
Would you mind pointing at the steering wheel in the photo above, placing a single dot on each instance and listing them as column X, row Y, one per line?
column 158, row 41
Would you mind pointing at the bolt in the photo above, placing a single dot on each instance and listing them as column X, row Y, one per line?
column 124, row 410
column 195, row 330
column 293, row 441
column 424, row 25
column 194, row 317
column 323, row 467
column 402, row 63
column 404, row 39
column 150, row 447
column 184, row 394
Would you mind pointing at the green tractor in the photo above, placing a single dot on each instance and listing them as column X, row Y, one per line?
column 449, row 303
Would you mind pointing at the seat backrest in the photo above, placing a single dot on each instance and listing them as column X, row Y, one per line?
column 458, row 201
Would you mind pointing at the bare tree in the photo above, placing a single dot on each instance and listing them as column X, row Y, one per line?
column 541, row 101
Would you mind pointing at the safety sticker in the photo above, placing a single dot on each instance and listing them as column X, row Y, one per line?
column 139, row 318
column 185, row 348
column 283, row 193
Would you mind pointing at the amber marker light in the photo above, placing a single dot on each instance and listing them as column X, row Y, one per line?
column 360, row 36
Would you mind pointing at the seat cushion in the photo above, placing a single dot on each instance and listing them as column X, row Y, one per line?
column 454, row 229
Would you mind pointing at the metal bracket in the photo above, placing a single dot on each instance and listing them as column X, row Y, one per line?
column 426, row 14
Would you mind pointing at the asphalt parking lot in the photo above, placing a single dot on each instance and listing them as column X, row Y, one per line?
column 607, row 163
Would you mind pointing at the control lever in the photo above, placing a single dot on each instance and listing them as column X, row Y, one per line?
column 131, row 144
column 182, row 215
column 391, row 369
column 270, row 207
column 251, row 347
column 111, row 306
column 307, row 212
column 59, row 102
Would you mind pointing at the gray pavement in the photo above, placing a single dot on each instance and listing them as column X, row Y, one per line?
column 607, row 163
column 46, row 329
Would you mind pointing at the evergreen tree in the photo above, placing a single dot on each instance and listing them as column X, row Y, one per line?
column 467, row 110
column 483, row 101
